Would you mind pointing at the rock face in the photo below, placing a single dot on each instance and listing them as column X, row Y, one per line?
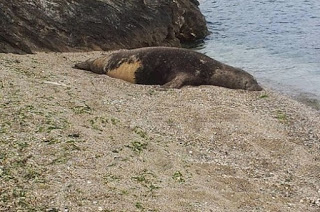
column 69, row 25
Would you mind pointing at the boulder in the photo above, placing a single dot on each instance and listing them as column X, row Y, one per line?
column 83, row 25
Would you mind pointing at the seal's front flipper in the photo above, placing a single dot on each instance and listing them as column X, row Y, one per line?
column 178, row 81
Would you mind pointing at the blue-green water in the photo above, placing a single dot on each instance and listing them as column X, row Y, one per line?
column 278, row 41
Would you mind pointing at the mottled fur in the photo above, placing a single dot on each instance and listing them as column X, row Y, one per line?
column 170, row 67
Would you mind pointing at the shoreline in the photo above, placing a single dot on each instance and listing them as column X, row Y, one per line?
column 86, row 142
column 284, row 63
column 308, row 99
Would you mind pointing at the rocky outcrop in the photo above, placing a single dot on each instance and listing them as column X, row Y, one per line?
column 69, row 25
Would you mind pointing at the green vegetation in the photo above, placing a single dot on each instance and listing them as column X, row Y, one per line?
column 282, row 117
column 108, row 178
column 114, row 121
column 137, row 146
column 177, row 176
column 61, row 159
column 170, row 122
column 82, row 109
column 51, row 122
column 146, row 179
column 140, row 132
column 263, row 96
column 98, row 123
column 151, row 92
column 139, row 206
column 15, row 169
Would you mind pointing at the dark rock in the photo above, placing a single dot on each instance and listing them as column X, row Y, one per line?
column 68, row 25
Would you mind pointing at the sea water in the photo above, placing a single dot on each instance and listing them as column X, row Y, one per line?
column 277, row 41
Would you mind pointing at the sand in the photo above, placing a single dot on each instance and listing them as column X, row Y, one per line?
column 72, row 140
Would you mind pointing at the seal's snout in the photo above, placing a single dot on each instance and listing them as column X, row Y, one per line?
column 250, row 83
column 255, row 87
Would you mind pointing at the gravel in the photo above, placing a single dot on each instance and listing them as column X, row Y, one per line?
column 71, row 140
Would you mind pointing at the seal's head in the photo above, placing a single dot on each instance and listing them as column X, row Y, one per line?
column 234, row 78
column 252, row 85
column 245, row 81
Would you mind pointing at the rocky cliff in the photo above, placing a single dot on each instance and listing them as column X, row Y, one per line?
column 69, row 25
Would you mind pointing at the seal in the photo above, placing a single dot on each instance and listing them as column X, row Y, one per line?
column 170, row 67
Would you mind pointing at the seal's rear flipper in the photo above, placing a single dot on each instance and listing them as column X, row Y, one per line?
column 83, row 66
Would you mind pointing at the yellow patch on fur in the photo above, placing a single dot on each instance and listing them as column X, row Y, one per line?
column 126, row 71
column 99, row 64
